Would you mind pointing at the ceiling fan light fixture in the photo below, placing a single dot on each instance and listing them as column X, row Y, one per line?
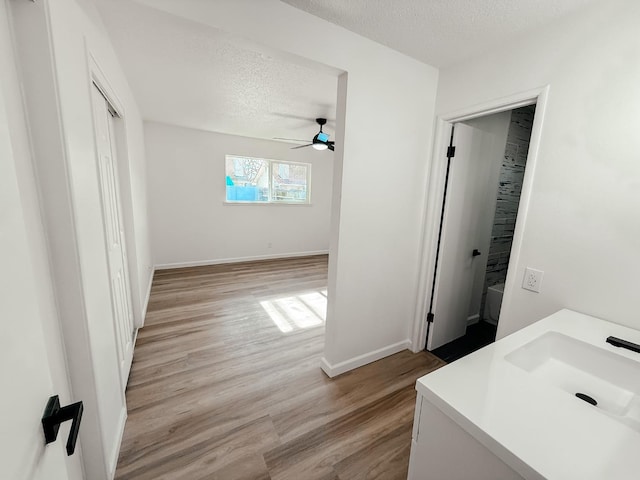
column 320, row 140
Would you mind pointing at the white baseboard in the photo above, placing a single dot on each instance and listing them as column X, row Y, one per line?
column 360, row 360
column 113, row 463
column 201, row 263
column 473, row 319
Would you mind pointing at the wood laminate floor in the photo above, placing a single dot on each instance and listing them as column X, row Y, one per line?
column 226, row 383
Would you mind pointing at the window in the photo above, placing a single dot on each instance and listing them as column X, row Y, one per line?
column 257, row 180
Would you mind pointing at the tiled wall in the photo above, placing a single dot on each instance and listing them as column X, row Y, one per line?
column 511, row 176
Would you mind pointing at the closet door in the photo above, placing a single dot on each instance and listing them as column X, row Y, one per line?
column 114, row 233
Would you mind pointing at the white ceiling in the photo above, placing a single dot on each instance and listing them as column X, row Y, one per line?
column 192, row 75
column 440, row 32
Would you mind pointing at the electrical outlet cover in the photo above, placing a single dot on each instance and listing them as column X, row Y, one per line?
column 532, row 279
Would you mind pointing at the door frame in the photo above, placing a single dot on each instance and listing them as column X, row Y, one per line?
column 98, row 78
column 125, row 353
column 435, row 188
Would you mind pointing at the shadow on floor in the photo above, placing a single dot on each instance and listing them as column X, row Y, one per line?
column 478, row 335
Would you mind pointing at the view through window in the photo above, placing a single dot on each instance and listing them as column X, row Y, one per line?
column 259, row 180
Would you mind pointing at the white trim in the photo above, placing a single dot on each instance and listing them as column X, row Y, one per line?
column 116, row 451
column 202, row 263
column 498, row 105
column 511, row 282
column 435, row 186
column 473, row 319
column 99, row 79
column 364, row 359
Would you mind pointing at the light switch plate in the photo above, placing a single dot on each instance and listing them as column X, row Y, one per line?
column 532, row 279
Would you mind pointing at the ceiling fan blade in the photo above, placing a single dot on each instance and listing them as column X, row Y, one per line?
column 290, row 139
column 301, row 146
column 331, row 147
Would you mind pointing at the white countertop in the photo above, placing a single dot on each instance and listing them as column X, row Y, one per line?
column 540, row 431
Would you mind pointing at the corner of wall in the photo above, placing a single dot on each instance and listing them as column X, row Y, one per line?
column 145, row 302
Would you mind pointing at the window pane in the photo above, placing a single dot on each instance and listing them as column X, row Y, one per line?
column 289, row 182
column 247, row 179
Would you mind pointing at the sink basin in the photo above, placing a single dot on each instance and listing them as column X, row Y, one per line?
column 612, row 380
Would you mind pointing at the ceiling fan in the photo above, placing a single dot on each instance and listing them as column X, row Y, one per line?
column 320, row 141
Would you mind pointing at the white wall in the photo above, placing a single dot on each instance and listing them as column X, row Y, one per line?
column 383, row 143
column 55, row 39
column 78, row 36
column 190, row 224
column 583, row 225
column 77, row 32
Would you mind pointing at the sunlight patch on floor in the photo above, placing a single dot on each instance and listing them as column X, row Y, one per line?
column 296, row 312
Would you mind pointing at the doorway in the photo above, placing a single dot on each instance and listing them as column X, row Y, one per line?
column 477, row 208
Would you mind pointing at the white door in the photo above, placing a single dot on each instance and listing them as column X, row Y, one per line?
column 114, row 233
column 25, row 374
column 470, row 206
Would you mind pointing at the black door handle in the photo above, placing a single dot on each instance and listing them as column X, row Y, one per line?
column 475, row 252
column 54, row 415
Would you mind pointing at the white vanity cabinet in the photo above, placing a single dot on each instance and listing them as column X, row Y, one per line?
column 441, row 450
column 519, row 408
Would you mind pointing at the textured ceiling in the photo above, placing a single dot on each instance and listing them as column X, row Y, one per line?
column 191, row 75
column 440, row 32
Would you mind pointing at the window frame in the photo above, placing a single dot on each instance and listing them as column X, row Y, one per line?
column 270, row 201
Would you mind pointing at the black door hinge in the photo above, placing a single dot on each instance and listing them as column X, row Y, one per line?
column 430, row 317
column 451, row 151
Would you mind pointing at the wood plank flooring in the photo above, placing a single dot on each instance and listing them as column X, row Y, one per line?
column 226, row 383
